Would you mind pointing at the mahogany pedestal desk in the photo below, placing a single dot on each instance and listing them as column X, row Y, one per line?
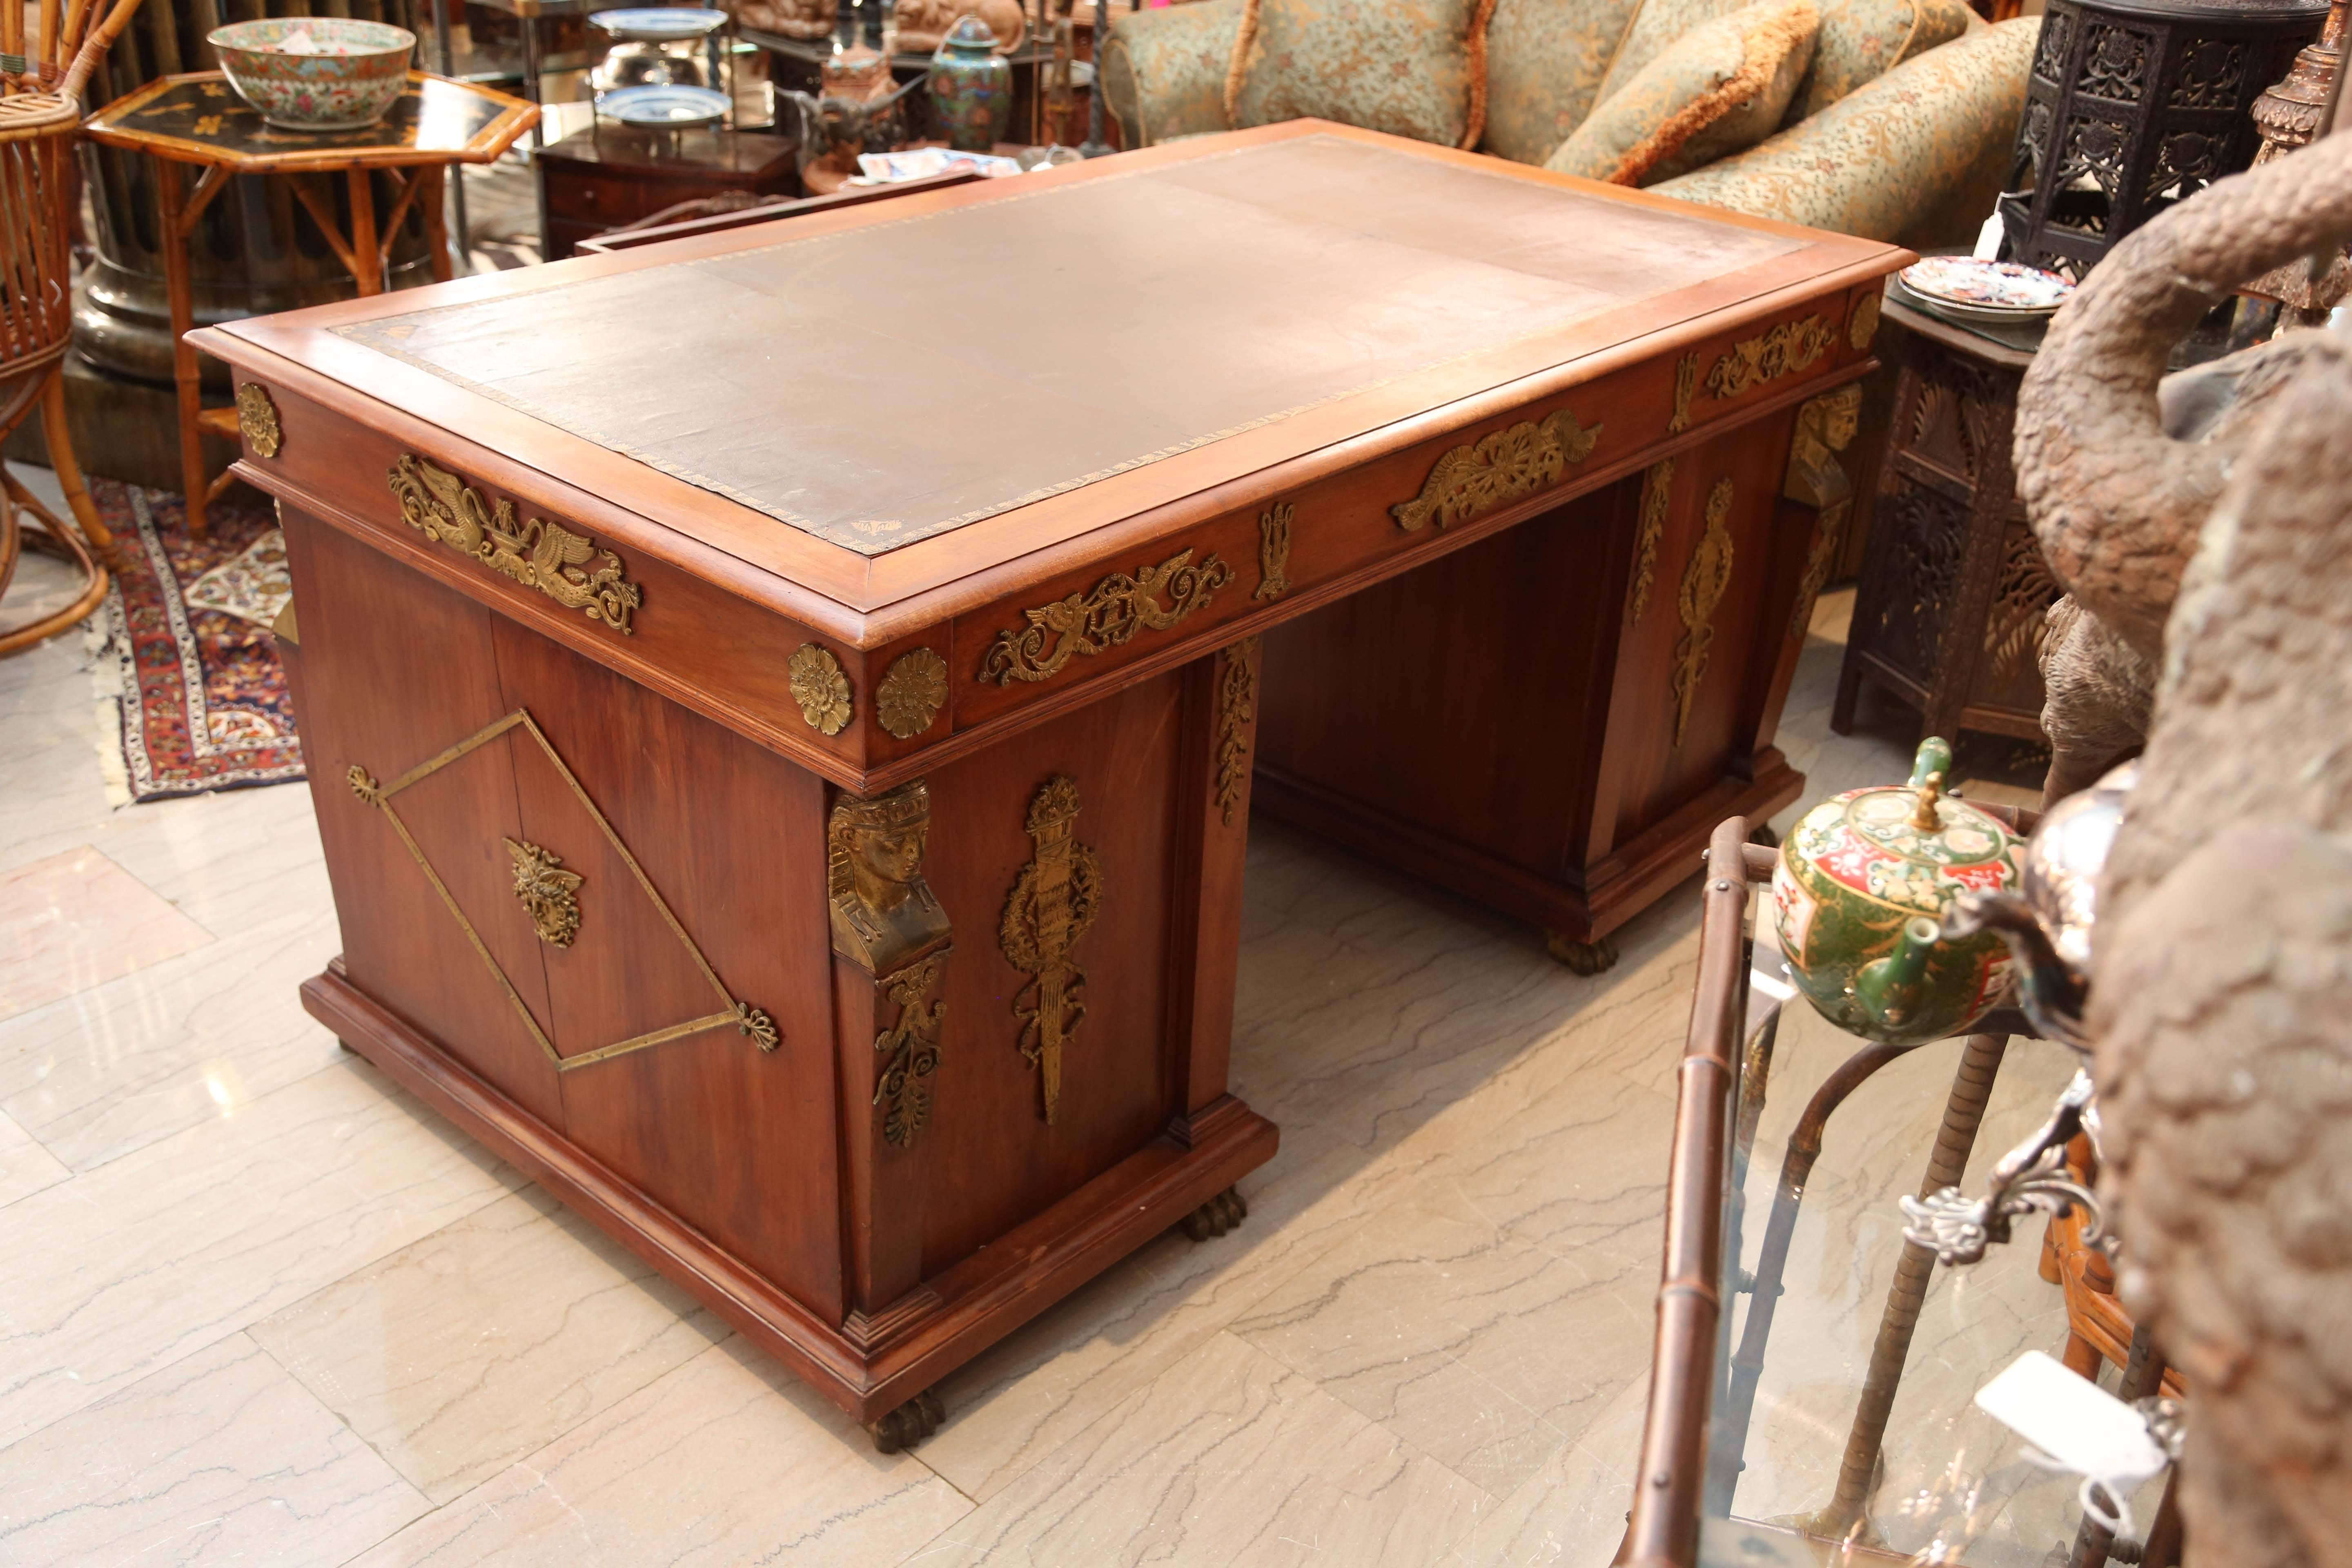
column 784, row 764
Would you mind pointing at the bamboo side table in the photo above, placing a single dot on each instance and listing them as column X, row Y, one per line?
column 196, row 119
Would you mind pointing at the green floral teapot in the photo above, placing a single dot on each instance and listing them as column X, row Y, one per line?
column 1859, row 897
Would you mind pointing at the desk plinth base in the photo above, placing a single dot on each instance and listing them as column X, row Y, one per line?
column 1030, row 1269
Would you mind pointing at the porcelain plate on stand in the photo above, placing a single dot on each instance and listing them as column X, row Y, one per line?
column 669, row 107
column 1997, row 291
column 659, row 22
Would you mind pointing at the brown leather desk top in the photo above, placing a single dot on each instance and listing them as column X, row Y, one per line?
column 871, row 419
column 876, row 385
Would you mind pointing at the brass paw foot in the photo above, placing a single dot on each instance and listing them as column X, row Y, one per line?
column 1216, row 1216
column 910, row 1423
column 1582, row 957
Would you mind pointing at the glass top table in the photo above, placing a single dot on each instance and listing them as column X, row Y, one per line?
column 1758, row 1450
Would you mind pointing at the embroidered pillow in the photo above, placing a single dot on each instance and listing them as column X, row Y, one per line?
column 1411, row 67
column 1915, row 157
column 1182, row 53
column 1657, row 25
column 1863, row 39
column 1720, row 88
column 1545, row 59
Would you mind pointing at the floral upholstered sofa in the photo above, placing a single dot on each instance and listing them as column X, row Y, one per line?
column 1891, row 120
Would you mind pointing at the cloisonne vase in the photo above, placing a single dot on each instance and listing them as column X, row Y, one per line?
column 971, row 87
column 1860, row 894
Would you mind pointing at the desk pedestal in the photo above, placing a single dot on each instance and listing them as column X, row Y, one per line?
column 878, row 1193
column 1510, row 723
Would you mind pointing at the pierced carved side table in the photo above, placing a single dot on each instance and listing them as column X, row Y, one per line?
column 196, row 119
column 1948, row 614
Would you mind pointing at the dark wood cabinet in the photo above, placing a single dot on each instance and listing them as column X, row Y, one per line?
column 613, row 175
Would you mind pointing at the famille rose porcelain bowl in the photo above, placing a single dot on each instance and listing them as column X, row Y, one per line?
column 316, row 73
column 1859, row 897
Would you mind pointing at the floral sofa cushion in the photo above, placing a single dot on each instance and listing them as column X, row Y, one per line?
column 1919, row 162
column 1864, row 39
column 1657, row 25
column 1719, row 88
column 1907, row 158
column 1406, row 67
column 1545, row 59
column 1163, row 74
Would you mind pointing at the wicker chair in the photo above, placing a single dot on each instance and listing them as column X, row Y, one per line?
column 39, row 114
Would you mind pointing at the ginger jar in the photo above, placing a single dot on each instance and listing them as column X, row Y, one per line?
column 1858, row 901
column 971, row 87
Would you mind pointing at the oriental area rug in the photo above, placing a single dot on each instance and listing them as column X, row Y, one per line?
column 192, row 697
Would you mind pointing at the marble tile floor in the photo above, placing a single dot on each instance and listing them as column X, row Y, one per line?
column 262, row 1307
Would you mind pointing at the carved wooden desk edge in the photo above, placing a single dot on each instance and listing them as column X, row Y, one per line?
column 1859, row 272
column 1077, row 687
column 769, row 729
column 1458, row 452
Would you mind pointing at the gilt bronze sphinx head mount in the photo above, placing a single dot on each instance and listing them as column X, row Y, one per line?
column 884, row 913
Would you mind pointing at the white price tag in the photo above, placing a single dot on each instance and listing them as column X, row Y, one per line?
column 2080, row 1426
column 1989, row 237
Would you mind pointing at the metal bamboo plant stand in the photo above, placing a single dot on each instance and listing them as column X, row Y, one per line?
column 1703, row 1385
column 39, row 116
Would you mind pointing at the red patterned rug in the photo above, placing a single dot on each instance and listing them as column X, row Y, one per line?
column 189, row 663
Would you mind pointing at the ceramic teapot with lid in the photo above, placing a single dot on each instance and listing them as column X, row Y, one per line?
column 1859, row 898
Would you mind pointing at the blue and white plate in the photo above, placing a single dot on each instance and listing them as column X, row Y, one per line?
column 670, row 107
column 660, row 22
